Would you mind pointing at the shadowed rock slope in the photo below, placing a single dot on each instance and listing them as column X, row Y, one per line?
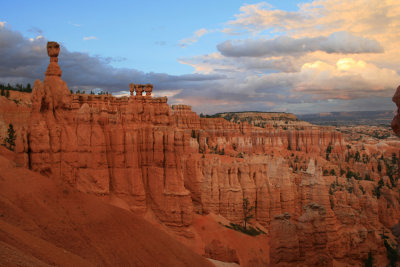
column 43, row 222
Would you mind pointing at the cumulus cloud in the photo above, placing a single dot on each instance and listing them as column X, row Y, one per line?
column 348, row 79
column 320, row 16
column 2, row 24
column 261, row 16
column 333, row 53
column 339, row 42
column 88, row 38
column 193, row 39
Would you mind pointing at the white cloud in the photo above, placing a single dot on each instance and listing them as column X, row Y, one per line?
column 36, row 38
column 328, row 52
column 195, row 37
column 87, row 38
column 347, row 79
column 2, row 24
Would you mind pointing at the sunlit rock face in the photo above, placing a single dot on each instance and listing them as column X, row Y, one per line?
column 141, row 154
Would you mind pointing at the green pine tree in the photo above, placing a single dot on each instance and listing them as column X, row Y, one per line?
column 9, row 141
column 247, row 211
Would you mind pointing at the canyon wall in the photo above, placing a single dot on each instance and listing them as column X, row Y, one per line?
column 145, row 156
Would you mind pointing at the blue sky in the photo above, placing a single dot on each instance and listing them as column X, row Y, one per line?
column 293, row 56
column 139, row 34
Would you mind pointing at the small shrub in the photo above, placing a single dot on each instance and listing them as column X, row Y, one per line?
column 248, row 231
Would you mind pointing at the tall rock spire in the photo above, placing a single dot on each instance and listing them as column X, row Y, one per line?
column 53, row 49
column 53, row 93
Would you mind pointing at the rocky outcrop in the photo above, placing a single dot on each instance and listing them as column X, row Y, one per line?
column 105, row 145
column 152, row 158
column 142, row 151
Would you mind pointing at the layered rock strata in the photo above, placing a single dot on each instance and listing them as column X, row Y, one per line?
column 169, row 161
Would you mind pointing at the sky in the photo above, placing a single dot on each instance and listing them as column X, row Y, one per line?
column 226, row 55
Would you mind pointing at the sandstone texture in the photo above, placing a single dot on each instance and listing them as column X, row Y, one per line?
column 322, row 197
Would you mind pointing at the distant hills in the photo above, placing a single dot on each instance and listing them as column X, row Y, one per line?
column 350, row 118
column 258, row 118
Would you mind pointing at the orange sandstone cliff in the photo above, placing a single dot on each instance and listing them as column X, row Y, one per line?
column 319, row 199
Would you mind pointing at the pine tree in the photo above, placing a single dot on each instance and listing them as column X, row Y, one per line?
column 7, row 93
column 9, row 141
column 247, row 215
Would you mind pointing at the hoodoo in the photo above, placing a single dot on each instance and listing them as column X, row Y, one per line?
column 316, row 197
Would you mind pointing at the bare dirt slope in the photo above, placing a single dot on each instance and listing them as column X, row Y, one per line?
column 47, row 223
